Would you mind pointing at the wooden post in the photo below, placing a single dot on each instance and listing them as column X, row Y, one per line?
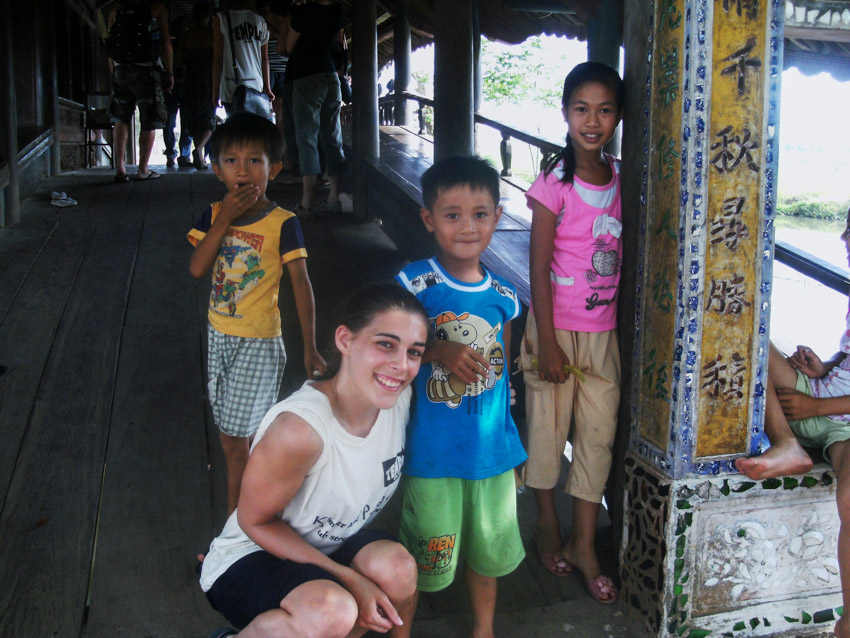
column 476, row 65
column 401, row 58
column 53, row 115
column 365, row 104
column 453, row 71
column 603, row 45
column 11, row 208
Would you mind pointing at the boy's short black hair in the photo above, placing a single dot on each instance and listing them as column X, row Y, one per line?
column 247, row 127
column 459, row 170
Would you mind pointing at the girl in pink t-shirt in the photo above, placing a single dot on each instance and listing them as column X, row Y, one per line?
column 575, row 261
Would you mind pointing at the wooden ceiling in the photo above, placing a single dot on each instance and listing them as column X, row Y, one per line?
column 499, row 19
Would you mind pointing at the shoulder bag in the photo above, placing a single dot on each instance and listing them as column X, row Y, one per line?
column 245, row 99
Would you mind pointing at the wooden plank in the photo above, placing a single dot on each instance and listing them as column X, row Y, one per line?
column 154, row 517
column 47, row 523
column 161, row 279
column 28, row 327
column 507, row 255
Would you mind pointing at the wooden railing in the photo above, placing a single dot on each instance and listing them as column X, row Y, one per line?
column 386, row 117
column 801, row 261
column 812, row 267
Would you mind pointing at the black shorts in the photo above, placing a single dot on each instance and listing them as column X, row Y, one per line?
column 258, row 582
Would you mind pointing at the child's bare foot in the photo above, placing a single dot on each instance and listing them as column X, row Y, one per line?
column 785, row 458
column 600, row 586
column 842, row 628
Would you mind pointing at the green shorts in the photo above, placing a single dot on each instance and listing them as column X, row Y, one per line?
column 444, row 517
column 818, row 431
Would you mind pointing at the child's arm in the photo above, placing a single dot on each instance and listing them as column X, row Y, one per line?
column 798, row 405
column 234, row 204
column 551, row 358
column 810, row 364
column 267, row 83
column 305, row 304
column 218, row 59
column 467, row 363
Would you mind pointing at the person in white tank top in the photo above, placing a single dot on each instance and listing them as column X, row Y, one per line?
column 293, row 558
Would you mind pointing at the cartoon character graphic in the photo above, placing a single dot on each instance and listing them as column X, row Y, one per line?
column 254, row 273
column 446, row 387
column 223, row 291
column 230, row 252
column 434, row 554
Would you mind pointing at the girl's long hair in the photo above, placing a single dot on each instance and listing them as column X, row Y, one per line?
column 360, row 307
column 581, row 74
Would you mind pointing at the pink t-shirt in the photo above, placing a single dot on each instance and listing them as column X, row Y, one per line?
column 588, row 252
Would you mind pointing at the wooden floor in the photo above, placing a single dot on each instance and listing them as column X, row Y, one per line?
column 111, row 478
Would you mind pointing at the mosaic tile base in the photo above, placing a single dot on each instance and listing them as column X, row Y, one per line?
column 729, row 556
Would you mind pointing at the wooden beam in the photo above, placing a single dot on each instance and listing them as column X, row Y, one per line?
column 814, row 33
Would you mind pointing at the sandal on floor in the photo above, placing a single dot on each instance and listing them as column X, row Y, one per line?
column 552, row 562
column 223, row 632
column 146, row 178
column 120, row 178
column 301, row 211
column 597, row 587
column 328, row 208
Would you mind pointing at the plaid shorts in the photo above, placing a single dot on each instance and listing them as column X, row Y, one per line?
column 244, row 380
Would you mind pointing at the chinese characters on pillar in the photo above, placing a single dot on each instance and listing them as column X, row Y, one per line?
column 732, row 270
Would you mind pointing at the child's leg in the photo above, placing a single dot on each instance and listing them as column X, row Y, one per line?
column 482, row 596
column 839, row 454
column 236, row 455
column 548, row 534
column 548, row 411
column 785, row 455
column 596, row 404
column 580, row 550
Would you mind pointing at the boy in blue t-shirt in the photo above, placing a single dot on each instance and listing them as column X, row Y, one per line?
column 462, row 443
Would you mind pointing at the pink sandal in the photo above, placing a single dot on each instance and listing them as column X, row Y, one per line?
column 602, row 589
column 552, row 562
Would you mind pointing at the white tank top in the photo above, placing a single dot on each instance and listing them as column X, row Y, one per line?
column 352, row 480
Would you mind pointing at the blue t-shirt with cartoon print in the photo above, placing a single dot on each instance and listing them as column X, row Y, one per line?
column 457, row 429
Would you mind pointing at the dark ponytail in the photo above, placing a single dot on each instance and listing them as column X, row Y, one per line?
column 581, row 74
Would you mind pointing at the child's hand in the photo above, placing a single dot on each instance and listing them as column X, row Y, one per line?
column 796, row 405
column 513, row 392
column 807, row 362
column 467, row 363
column 238, row 201
column 314, row 364
column 551, row 362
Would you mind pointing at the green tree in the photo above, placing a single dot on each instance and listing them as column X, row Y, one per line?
column 516, row 74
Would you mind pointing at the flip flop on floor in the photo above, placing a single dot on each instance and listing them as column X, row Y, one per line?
column 120, row 178
column 144, row 178
column 602, row 589
column 552, row 561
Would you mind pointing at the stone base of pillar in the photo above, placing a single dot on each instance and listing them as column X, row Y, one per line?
column 727, row 556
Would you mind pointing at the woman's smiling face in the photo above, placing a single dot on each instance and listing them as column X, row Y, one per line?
column 384, row 356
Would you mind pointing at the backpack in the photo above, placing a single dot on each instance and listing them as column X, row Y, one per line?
column 134, row 36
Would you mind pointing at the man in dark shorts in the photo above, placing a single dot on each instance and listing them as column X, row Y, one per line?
column 141, row 60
